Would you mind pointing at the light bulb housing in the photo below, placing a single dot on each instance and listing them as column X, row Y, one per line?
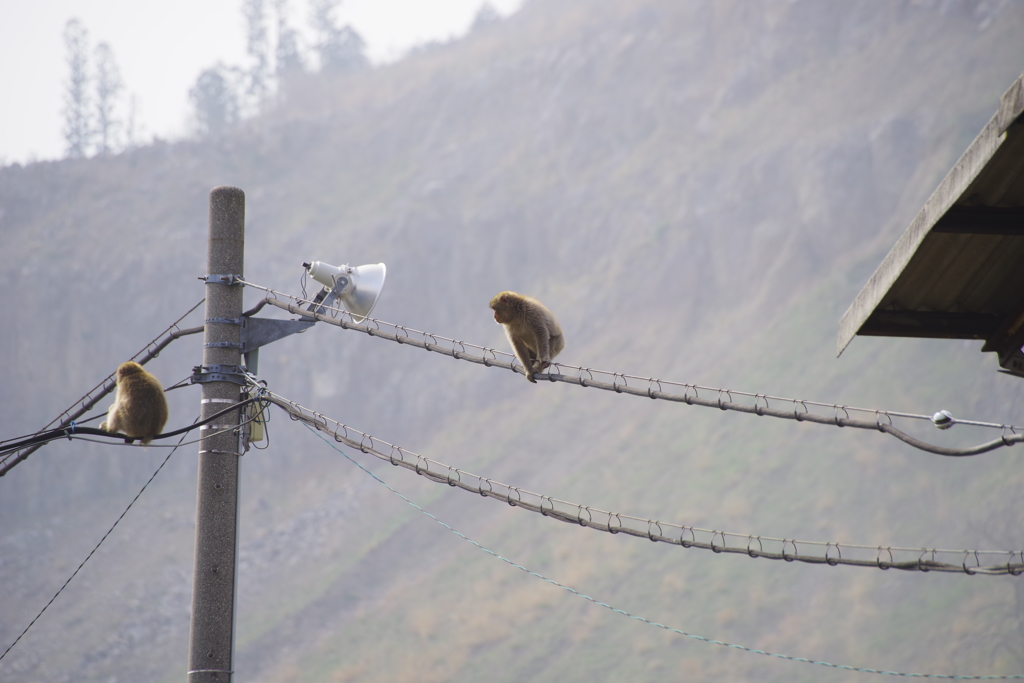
column 358, row 288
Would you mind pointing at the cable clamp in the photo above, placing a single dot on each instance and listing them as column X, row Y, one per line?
column 224, row 321
column 222, row 279
column 223, row 345
column 218, row 373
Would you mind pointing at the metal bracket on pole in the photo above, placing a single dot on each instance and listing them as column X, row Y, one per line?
column 222, row 279
column 257, row 332
column 325, row 298
column 219, row 373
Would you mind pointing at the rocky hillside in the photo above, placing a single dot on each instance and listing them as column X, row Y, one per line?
column 697, row 190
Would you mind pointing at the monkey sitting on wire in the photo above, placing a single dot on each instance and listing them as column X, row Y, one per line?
column 140, row 407
column 531, row 328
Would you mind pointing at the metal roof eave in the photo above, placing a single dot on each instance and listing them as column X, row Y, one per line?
column 950, row 190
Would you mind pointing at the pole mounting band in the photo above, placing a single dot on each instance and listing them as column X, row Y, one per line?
column 219, row 373
column 222, row 279
column 223, row 345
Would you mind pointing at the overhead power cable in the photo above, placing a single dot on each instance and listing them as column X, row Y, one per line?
column 693, row 636
column 989, row 562
column 692, row 394
column 86, row 402
column 73, row 430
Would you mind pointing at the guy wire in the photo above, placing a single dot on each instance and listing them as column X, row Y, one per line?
column 97, row 547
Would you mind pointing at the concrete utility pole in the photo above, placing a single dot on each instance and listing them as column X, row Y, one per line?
column 212, row 635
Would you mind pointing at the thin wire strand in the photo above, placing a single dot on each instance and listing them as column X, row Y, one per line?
column 71, row 431
column 93, row 551
column 801, row 410
column 755, row 546
column 86, row 402
column 85, row 420
column 635, row 617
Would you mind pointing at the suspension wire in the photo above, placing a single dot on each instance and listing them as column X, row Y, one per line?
column 642, row 619
column 93, row 551
column 86, row 402
column 724, row 399
column 987, row 562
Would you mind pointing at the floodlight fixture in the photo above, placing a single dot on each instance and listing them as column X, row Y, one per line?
column 358, row 288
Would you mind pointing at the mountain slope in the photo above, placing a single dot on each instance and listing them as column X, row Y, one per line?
column 697, row 190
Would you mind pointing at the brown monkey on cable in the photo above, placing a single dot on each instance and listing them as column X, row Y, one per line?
column 531, row 328
column 140, row 407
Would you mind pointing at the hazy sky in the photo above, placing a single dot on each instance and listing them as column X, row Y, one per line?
column 161, row 47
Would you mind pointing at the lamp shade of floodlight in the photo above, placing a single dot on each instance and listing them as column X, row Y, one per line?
column 357, row 288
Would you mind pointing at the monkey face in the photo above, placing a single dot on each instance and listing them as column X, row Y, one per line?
column 504, row 308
